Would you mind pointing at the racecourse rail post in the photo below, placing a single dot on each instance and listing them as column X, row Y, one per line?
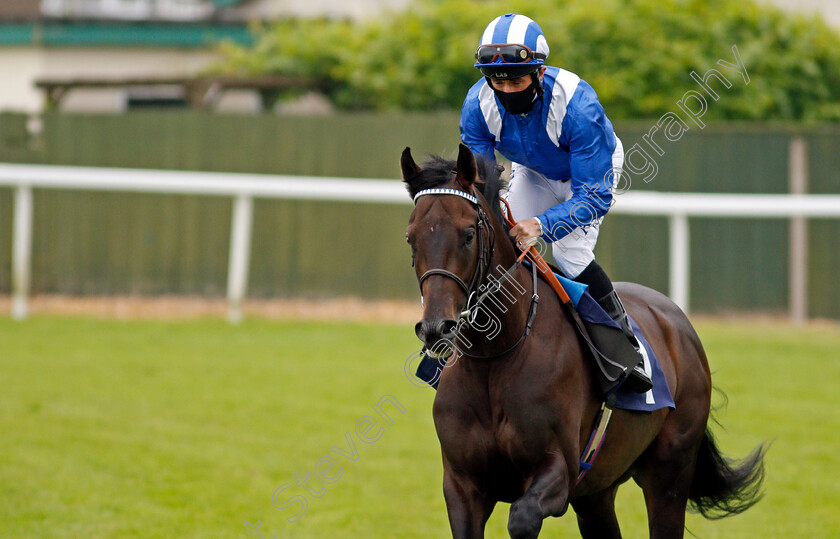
column 798, row 255
column 240, row 254
column 680, row 259
column 21, row 251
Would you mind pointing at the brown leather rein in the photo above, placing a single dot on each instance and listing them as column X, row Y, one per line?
column 537, row 259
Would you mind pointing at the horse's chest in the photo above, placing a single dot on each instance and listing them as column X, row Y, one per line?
column 520, row 437
column 493, row 436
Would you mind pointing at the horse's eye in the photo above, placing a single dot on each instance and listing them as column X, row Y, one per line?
column 469, row 236
column 406, row 239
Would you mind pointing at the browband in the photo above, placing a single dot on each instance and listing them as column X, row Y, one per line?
column 441, row 191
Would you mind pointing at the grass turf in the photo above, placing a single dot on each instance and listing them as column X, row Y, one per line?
column 186, row 429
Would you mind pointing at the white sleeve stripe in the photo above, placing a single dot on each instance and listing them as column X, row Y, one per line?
column 490, row 111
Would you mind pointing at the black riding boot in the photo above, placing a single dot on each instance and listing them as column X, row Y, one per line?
column 638, row 380
column 600, row 286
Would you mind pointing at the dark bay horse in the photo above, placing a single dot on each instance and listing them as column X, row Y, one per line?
column 514, row 409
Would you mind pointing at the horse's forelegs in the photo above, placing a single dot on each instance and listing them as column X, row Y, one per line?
column 468, row 510
column 547, row 496
column 596, row 515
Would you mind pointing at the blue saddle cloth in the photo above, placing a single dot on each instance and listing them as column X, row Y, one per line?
column 591, row 311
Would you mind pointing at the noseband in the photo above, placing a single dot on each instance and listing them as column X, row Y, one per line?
column 485, row 236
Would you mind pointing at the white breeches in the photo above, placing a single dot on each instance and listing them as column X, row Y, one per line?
column 530, row 194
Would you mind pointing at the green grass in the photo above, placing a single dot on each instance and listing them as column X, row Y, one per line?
column 185, row 429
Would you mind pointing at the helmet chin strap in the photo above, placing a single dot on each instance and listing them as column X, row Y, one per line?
column 537, row 84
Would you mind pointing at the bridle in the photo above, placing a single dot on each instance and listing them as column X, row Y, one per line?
column 486, row 237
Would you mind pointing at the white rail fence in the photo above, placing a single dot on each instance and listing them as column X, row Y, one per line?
column 243, row 188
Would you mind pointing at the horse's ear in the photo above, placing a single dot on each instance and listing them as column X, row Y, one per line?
column 466, row 172
column 409, row 167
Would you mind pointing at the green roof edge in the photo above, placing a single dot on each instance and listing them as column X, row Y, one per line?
column 125, row 34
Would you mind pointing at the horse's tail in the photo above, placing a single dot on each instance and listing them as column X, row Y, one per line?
column 721, row 486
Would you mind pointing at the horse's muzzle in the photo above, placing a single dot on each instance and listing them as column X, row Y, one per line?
column 432, row 331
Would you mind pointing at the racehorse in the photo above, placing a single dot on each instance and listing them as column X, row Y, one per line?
column 514, row 412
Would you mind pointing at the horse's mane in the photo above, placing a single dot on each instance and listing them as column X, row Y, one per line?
column 437, row 172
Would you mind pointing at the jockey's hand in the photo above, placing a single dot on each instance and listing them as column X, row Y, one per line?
column 526, row 232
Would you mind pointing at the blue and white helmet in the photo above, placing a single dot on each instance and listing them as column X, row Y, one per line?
column 511, row 46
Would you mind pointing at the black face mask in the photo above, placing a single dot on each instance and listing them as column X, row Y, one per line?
column 517, row 102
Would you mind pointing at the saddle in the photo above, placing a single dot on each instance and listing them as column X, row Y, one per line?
column 610, row 354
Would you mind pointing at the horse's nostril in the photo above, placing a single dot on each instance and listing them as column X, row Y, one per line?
column 447, row 328
column 432, row 331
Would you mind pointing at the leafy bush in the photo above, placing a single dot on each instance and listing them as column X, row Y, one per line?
column 637, row 54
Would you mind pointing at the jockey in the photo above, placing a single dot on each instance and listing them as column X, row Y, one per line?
column 565, row 156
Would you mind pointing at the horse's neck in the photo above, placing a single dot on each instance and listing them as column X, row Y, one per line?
column 520, row 285
column 504, row 313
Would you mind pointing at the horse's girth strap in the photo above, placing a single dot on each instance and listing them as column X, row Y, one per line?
column 596, row 439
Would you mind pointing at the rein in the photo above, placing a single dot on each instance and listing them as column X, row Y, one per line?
column 538, row 260
column 532, row 312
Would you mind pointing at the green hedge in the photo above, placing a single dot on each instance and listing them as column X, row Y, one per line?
column 637, row 54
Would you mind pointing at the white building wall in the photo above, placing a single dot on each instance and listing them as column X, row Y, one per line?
column 356, row 9
column 18, row 68
column 830, row 9
column 21, row 67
